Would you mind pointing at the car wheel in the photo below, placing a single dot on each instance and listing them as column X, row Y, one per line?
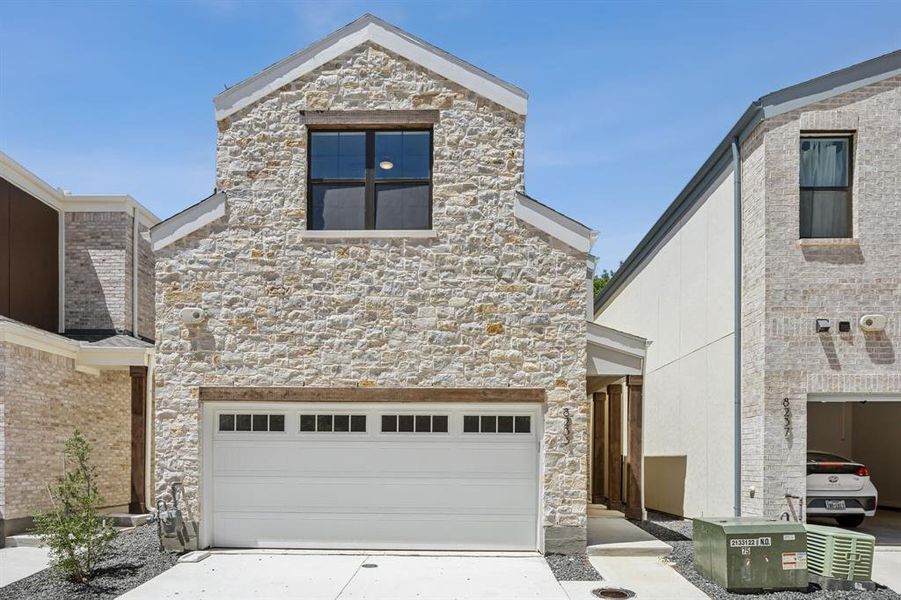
column 850, row 520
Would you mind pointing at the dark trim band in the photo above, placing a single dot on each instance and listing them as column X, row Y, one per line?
column 370, row 394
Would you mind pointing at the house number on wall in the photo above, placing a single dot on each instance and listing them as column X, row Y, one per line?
column 567, row 426
column 786, row 406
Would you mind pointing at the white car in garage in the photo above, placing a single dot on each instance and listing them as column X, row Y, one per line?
column 839, row 488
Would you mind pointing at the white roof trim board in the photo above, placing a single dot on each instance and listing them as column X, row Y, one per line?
column 188, row 221
column 62, row 201
column 89, row 358
column 559, row 226
column 369, row 29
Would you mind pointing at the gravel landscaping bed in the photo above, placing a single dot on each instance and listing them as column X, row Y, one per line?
column 135, row 559
column 572, row 567
column 677, row 533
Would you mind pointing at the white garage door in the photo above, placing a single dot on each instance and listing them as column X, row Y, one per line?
column 371, row 476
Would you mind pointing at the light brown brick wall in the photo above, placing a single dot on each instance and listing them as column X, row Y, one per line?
column 42, row 399
column 146, row 287
column 98, row 270
column 788, row 284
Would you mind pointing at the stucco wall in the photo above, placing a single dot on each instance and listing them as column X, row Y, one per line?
column 681, row 301
column 790, row 283
column 42, row 399
column 488, row 302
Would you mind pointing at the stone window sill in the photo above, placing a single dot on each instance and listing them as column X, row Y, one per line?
column 829, row 242
column 368, row 234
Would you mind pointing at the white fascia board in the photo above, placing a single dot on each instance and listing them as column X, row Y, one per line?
column 188, row 221
column 31, row 337
column 554, row 224
column 100, row 357
column 109, row 203
column 24, row 179
column 88, row 358
column 625, row 343
column 363, row 30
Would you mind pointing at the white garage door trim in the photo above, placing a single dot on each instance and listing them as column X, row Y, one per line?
column 292, row 434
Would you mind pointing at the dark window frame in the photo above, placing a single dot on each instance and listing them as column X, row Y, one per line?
column 848, row 189
column 369, row 180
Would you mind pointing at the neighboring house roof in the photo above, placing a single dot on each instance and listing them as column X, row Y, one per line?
column 64, row 201
column 369, row 28
column 768, row 106
column 90, row 357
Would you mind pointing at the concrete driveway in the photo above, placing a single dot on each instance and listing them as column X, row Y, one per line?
column 373, row 577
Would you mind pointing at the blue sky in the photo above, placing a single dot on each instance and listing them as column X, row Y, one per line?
column 626, row 99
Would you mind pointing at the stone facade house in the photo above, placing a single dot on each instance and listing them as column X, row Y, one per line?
column 76, row 340
column 370, row 336
column 770, row 292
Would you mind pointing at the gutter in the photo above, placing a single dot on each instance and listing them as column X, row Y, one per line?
column 714, row 165
column 737, row 275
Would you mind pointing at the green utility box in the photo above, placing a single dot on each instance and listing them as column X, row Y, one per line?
column 751, row 555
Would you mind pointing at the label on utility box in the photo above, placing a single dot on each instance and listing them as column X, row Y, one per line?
column 793, row 561
column 750, row 542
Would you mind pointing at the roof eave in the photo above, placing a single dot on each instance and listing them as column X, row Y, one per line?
column 369, row 28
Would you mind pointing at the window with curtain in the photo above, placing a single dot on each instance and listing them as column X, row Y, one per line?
column 370, row 179
column 825, row 187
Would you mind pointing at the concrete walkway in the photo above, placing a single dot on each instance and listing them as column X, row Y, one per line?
column 19, row 562
column 262, row 576
column 648, row 576
column 615, row 536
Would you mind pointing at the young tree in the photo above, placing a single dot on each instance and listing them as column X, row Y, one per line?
column 78, row 539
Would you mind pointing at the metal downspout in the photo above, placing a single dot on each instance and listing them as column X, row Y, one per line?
column 736, row 179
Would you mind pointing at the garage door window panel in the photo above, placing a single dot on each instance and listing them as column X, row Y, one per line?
column 246, row 422
column 414, row 423
column 332, row 423
column 499, row 424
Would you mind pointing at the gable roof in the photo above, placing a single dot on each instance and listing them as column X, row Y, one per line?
column 768, row 106
column 369, row 28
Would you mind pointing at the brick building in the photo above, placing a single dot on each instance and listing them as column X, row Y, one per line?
column 76, row 340
column 769, row 292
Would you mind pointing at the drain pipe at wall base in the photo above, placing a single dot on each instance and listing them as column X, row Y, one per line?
column 736, row 181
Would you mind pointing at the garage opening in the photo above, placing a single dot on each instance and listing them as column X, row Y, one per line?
column 854, row 454
column 346, row 475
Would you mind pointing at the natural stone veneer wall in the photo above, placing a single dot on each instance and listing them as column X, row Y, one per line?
column 787, row 284
column 42, row 399
column 489, row 302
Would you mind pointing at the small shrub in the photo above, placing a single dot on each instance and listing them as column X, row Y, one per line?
column 78, row 539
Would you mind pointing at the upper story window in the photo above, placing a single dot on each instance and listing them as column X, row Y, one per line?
column 370, row 179
column 825, row 187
